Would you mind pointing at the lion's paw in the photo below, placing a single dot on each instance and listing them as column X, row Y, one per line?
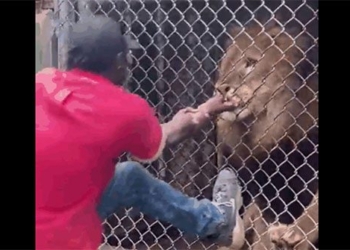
column 284, row 236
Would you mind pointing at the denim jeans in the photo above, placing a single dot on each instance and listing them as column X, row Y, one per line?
column 133, row 186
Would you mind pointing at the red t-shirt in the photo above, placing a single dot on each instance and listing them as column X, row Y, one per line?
column 83, row 122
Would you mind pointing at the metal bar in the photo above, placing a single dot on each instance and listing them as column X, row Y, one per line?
column 67, row 18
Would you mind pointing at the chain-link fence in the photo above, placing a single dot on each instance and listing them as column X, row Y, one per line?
column 263, row 51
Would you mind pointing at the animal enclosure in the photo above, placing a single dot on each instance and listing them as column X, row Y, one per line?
column 189, row 49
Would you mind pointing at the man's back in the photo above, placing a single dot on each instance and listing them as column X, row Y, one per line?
column 82, row 123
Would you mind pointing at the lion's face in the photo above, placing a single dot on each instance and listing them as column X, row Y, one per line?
column 255, row 68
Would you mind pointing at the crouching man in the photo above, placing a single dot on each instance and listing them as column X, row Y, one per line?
column 84, row 119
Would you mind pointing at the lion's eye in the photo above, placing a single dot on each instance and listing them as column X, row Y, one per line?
column 250, row 62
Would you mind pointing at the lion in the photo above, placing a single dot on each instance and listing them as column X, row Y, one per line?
column 267, row 72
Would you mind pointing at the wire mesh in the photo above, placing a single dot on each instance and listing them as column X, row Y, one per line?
column 264, row 52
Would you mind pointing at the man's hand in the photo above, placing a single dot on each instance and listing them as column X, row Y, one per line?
column 182, row 125
column 185, row 118
column 212, row 107
column 188, row 120
column 216, row 105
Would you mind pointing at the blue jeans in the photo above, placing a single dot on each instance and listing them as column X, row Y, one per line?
column 134, row 186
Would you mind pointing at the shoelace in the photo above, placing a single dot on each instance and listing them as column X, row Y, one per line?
column 226, row 203
column 220, row 195
column 230, row 203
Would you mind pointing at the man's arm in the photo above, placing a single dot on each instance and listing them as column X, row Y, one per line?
column 188, row 121
column 177, row 131
column 147, row 138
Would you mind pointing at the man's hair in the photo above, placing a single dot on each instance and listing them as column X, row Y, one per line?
column 94, row 44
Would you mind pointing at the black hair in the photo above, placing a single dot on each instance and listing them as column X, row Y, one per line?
column 94, row 43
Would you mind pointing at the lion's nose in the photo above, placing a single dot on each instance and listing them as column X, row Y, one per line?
column 223, row 89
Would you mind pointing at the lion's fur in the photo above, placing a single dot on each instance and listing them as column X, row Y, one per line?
column 272, row 89
column 278, row 86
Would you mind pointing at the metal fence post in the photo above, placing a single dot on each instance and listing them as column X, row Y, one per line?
column 66, row 13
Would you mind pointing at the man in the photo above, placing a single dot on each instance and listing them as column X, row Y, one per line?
column 83, row 122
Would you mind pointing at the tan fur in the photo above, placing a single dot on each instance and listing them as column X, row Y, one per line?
column 275, row 101
column 254, row 221
column 298, row 236
column 302, row 233
column 265, row 92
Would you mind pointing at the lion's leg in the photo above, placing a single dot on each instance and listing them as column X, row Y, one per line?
column 302, row 233
column 253, row 220
column 308, row 223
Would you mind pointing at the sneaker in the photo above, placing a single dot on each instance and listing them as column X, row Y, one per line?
column 227, row 198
